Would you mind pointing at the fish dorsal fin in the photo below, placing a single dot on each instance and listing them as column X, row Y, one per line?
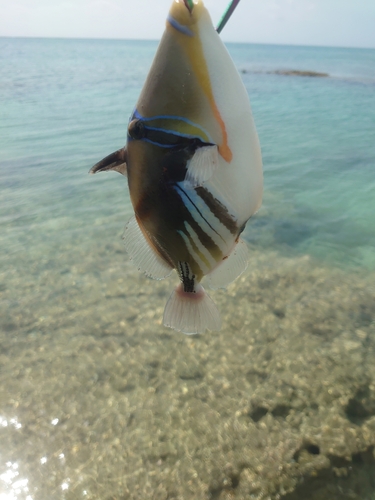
column 140, row 251
column 202, row 165
column 115, row 161
column 230, row 268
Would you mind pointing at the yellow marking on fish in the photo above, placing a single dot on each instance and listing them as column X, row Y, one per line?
column 194, row 50
column 175, row 124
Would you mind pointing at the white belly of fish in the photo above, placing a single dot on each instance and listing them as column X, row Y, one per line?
column 240, row 182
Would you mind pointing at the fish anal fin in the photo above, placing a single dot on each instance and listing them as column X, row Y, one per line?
column 142, row 254
column 191, row 312
column 231, row 267
column 115, row 161
column 202, row 165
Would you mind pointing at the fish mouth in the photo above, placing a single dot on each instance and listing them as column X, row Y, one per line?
column 185, row 14
column 189, row 5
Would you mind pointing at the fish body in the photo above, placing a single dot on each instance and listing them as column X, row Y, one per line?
column 194, row 167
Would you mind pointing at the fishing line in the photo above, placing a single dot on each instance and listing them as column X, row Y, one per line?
column 230, row 9
column 225, row 17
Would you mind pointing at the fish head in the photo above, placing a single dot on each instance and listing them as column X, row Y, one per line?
column 177, row 102
column 187, row 14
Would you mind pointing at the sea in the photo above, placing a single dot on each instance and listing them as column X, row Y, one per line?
column 97, row 398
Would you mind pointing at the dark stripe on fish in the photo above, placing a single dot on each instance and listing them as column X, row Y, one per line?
column 197, row 251
column 197, row 209
column 205, row 240
column 218, row 209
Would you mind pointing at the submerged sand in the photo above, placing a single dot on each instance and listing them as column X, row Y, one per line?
column 99, row 401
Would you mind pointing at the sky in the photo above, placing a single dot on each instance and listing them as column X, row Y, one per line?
column 340, row 23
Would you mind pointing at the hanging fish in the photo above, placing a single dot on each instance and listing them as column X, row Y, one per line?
column 194, row 168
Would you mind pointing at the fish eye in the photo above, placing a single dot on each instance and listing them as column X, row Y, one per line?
column 136, row 129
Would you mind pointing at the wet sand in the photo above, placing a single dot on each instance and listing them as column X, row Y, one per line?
column 99, row 401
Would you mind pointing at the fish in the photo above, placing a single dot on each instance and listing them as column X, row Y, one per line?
column 194, row 168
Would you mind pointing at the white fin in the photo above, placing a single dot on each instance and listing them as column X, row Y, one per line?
column 191, row 312
column 230, row 268
column 202, row 165
column 140, row 251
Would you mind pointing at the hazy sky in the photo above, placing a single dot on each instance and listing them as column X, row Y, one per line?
column 346, row 23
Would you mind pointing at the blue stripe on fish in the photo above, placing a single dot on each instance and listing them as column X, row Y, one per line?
column 136, row 114
column 179, row 27
column 156, row 143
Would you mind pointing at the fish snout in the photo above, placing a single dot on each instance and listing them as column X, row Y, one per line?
column 186, row 12
column 189, row 4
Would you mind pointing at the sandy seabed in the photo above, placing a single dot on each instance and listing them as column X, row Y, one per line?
column 99, row 401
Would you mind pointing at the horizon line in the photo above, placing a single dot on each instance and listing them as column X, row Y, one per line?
column 157, row 40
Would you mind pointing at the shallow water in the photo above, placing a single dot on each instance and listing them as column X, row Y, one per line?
column 97, row 399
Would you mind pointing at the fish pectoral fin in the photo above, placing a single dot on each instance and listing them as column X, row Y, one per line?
column 202, row 165
column 115, row 161
column 140, row 251
column 191, row 312
column 230, row 268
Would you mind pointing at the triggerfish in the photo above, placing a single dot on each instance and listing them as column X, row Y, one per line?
column 194, row 168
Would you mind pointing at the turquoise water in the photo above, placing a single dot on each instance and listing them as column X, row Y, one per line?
column 65, row 103
column 97, row 398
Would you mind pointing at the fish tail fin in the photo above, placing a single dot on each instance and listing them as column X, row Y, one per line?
column 191, row 312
